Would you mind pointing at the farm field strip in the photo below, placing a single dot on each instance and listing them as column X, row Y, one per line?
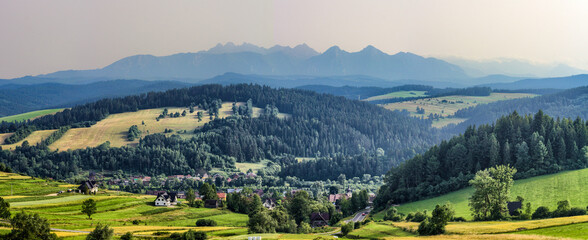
column 398, row 94
column 30, row 115
column 448, row 105
column 493, row 227
column 33, row 139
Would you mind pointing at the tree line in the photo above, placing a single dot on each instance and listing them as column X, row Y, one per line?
column 534, row 145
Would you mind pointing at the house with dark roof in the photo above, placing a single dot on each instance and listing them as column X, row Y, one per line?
column 166, row 199
column 319, row 219
column 89, row 187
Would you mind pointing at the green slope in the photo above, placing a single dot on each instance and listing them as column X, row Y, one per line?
column 29, row 115
column 544, row 190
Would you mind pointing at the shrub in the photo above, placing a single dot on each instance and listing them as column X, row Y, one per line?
column 304, row 228
column 205, row 223
column 101, row 232
column 195, row 235
column 356, row 225
column 458, row 219
column 136, row 222
column 346, row 228
column 419, row 216
column 576, row 211
column 541, row 212
column 436, row 224
column 127, row 236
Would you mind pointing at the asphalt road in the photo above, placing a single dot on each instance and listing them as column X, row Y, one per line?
column 359, row 216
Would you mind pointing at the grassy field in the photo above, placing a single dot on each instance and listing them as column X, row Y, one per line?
column 33, row 139
column 577, row 231
column 30, row 115
column 115, row 127
column 544, row 190
column 399, row 94
column 494, row 227
column 448, row 105
column 245, row 166
column 379, row 230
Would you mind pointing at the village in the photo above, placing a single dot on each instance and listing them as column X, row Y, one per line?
column 165, row 193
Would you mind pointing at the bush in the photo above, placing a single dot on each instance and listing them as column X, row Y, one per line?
column 458, row 219
column 127, row 236
column 346, row 228
column 136, row 222
column 205, row 223
column 436, row 224
column 101, row 232
column 419, row 216
column 198, row 204
column 195, row 235
column 393, row 215
column 541, row 212
column 304, row 228
column 356, row 225
column 576, row 211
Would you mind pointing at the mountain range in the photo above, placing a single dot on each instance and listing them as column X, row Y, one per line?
column 275, row 61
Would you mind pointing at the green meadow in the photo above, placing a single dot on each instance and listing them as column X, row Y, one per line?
column 544, row 190
column 29, row 115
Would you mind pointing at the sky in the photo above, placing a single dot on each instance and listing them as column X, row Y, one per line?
column 44, row 36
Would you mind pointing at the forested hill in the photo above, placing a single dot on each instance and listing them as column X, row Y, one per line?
column 534, row 145
column 570, row 103
column 320, row 125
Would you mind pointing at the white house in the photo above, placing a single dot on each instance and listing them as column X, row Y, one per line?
column 166, row 199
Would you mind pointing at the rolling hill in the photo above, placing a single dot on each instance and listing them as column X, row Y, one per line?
column 544, row 190
column 18, row 98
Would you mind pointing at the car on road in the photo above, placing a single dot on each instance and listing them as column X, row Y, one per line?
column 363, row 214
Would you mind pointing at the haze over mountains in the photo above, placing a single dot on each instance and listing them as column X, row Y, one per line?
column 278, row 60
column 284, row 66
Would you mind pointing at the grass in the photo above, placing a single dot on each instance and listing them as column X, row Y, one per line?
column 448, row 105
column 399, row 94
column 379, row 230
column 544, row 190
column 494, row 227
column 578, row 231
column 115, row 127
column 33, row 139
column 244, row 167
column 30, row 115
column 120, row 209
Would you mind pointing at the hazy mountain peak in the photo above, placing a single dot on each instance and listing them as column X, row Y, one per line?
column 369, row 49
column 333, row 50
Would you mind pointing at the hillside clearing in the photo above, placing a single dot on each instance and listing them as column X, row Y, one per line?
column 448, row 105
column 544, row 190
column 114, row 128
column 399, row 94
column 30, row 115
column 33, row 139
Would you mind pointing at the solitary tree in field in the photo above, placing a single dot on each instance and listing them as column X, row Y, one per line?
column 492, row 189
column 89, row 207
column 190, row 196
column 4, row 209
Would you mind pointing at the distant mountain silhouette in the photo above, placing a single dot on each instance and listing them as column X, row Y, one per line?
column 513, row 67
column 540, row 83
column 275, row 61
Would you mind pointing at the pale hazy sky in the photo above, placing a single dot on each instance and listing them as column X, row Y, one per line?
column 45, row 36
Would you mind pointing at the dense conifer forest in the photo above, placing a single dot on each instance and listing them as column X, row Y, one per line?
column 321, row 125
column 534, row 145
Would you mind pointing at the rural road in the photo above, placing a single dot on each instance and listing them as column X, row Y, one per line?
column 360, row 215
